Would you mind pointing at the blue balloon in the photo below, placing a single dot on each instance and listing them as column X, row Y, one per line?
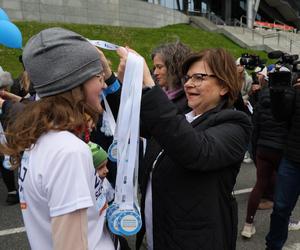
column 10, row 35
column 3, row 15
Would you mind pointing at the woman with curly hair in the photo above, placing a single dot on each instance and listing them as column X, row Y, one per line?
column 167, row 62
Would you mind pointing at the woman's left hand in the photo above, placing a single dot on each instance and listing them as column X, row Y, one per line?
column 123, row 53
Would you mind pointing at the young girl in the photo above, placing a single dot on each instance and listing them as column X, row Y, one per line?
column 57, row 177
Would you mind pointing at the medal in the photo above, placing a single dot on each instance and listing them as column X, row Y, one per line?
column 113, row 151
column 124, row 215
column 113, row 222
column 129, row 222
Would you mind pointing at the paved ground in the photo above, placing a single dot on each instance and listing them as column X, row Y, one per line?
column 10, row 218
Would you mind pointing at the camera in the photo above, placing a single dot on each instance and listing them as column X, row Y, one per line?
column 250, row 61
column 279, row 78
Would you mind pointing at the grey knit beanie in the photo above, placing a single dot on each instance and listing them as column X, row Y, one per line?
column 58, row 60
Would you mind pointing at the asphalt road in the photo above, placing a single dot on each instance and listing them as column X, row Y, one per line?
column 11, row 220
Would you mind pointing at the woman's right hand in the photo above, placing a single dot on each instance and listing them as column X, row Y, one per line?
column 123, row 53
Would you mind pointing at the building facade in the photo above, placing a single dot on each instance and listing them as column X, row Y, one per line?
column 287, row 11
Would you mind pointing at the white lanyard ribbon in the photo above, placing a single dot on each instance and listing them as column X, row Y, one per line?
column 2, row 135
column 104, row 45
column 127, row 133
column 108, row 117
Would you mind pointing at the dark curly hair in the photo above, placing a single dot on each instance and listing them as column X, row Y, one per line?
column 173, row 55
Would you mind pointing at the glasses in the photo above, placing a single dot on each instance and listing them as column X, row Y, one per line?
column 196, row 78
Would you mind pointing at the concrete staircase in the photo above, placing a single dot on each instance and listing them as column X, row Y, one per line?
column 259, row 39
column 203, row 23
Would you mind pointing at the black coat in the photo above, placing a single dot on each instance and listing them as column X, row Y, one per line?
column 153, row 148
column 193, row 179
column 286, row 107
column 268, row 132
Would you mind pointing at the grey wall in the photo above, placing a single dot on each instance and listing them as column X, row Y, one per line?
column 132, row 13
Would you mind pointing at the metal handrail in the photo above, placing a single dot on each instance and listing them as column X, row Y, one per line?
column 216, row 19
column 271, row 36
column 238, row 23
column 213, row 18
column 210, row 16
column 241, row 19
column 292, row 43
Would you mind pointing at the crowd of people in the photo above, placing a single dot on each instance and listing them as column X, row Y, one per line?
column 201, row 116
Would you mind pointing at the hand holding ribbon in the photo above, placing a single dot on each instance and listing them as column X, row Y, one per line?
column 123, row 54
column 106, row 68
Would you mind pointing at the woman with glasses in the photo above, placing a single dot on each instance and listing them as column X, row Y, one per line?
column 187, row 200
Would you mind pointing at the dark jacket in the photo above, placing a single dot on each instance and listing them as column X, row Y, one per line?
column 286, row 107
column 153, row 148
column 193, row 178
column 268, row 132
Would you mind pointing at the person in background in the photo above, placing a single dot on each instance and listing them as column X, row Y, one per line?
column 100, row 165
column 285, row 99
column 268, row 140
column 246, row 80
column 246, row 84
column 167, row 61
column 8, row 176
column 100, row 160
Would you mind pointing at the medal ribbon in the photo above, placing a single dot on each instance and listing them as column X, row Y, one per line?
column 104, row 45
column 127, row 132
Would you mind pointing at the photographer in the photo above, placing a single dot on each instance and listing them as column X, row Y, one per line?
column 245, row 79
column 285, row 103
column 268, row 140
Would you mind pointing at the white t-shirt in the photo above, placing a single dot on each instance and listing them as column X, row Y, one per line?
column 57, row 177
